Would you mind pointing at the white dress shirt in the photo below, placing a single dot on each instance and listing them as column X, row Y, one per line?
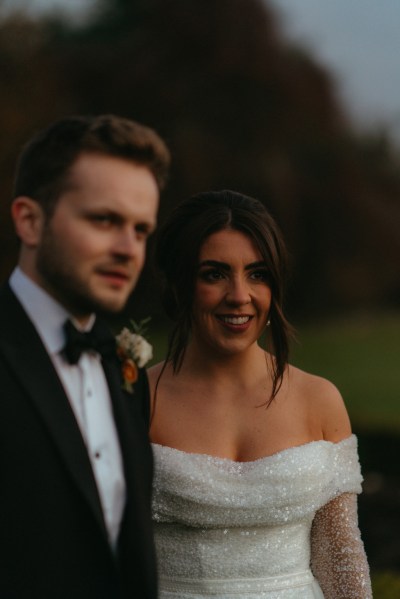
column 88, row 393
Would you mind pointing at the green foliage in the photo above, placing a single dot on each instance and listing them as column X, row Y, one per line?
column 361, row 356
column 386, row 585
column 159, row 340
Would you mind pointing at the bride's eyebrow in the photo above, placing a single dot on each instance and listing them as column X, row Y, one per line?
column 215, row 264
column 258, row 264
column 225, row 266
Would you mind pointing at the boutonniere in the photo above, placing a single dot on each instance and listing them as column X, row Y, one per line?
column 134, row 351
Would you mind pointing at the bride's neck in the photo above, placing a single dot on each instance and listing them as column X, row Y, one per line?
column 218, row 365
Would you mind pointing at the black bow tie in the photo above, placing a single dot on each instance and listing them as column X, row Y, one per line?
column 99, row 339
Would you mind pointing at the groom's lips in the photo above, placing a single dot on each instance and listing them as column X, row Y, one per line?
column 116, row 276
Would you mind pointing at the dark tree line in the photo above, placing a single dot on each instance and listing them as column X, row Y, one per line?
column 240, row 108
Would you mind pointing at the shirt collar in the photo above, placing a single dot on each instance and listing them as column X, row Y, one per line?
column 47, row 315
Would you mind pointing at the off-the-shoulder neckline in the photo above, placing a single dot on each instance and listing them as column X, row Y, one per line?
column 263, row 458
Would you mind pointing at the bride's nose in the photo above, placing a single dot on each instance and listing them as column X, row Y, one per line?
column 238, row 292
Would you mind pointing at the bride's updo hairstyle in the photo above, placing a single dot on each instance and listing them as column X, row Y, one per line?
column 179, row 240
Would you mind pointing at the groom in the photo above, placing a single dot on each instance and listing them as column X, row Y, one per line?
column 75, row 461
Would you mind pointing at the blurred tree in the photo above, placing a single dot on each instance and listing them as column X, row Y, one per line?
column 32, row 94
column 240, row 108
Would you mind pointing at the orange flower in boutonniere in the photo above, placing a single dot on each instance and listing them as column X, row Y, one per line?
column 134, row 352
column 130, row 371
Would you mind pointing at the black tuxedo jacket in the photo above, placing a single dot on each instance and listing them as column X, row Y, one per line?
column 53, row 539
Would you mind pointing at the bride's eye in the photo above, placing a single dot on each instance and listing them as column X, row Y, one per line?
column 211, row 275
column 261, row 275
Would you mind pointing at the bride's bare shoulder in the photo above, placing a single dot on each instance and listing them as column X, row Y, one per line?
column 311, row 385
column 323, row 400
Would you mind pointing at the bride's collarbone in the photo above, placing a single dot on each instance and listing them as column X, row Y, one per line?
column 229, row 388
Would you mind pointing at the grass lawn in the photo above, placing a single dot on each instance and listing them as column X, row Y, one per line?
column 386, row 585
column 360, row 355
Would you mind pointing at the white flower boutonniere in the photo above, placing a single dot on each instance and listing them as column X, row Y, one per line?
column 134, row 351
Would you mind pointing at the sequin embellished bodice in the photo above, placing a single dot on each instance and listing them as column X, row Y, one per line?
column 242, row 529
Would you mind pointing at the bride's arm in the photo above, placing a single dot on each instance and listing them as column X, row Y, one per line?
column 338, row 559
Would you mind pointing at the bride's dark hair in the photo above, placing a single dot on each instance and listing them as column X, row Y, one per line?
column 179, row 240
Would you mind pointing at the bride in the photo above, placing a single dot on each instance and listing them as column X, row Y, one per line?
column 256, row 468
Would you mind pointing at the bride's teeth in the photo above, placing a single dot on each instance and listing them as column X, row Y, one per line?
column 236, row 319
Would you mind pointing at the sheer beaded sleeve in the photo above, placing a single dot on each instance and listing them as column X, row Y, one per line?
column 338, row 559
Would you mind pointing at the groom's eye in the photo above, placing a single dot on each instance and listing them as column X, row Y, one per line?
column 103, row 220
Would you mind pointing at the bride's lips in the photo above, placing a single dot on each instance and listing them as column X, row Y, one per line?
column 235, row 322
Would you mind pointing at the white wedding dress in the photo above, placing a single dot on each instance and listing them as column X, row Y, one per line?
column 269, row 528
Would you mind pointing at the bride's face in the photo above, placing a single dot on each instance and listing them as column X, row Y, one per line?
column 232, row 297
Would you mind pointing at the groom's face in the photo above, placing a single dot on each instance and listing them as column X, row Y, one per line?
column 92, row 248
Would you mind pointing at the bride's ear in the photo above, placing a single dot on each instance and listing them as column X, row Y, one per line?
column 28, row 218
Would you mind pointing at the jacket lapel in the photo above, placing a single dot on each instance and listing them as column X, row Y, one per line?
column 122, row 417
column 133, row 434
column 27, row 357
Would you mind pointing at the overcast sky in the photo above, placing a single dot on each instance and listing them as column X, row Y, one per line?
column 358, row 40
